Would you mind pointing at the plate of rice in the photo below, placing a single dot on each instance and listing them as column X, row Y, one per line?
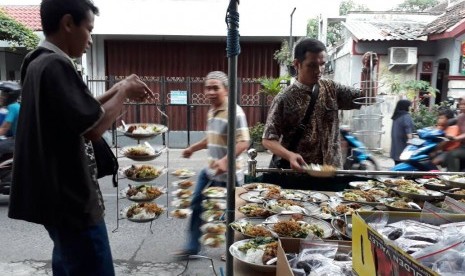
column 183, row 184
column 254, row 253
column 143, row 131
column 285, row 206
column 214, row 204
column 141, row 152
column 212, row 240
column 213, row 228
column 215, row 192
column 181, row 213
column 142, row 173
column 142, row 193
column 251, row 227
column 142, row 212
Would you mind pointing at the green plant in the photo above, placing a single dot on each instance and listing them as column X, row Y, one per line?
column 256, row 132
column 425, row 116
column 272, row 86
column 16, row 33
column 283, row 56
column 419, row 85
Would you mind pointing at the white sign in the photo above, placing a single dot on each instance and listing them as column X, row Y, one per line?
column 178, row 97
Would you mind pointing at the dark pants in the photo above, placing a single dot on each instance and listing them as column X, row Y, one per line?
column 7, row 146
column 78, row 253
column 307, row 182
column 454, row 158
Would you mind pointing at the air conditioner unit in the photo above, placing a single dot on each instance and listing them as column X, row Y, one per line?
column 402, row 55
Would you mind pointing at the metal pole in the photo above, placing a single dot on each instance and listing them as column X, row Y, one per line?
column 233, row 50
column 290, row 34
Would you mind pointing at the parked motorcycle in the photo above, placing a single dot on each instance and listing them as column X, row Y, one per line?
column 415, row 157
column 9, row 93
column 358, row 157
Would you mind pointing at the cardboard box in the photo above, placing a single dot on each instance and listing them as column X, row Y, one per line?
column 290, row 245
column 374, row 255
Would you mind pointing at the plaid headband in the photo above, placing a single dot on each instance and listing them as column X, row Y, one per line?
column 218, row 75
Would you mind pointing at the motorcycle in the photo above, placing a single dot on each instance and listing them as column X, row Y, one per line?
column 9, row 93
column 6, row 166
column 415, row 156
column 358, row 157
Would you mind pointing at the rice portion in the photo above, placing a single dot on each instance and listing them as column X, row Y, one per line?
column 254, row 256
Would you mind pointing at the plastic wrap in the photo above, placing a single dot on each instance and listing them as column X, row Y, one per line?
column 447, row 257
column 320, row 258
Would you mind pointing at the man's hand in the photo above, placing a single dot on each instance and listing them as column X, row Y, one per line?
column 187, row 153
column 366, row 60
column 135, row 89
column 296, row 161
column 220, row 166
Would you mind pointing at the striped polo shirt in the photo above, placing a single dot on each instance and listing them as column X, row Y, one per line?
column 217, row 131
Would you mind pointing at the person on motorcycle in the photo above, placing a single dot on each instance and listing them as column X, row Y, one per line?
column 453, row 158
column 9, row 94
column 439, row 155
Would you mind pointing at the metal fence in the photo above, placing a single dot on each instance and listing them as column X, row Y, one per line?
column 188, row 116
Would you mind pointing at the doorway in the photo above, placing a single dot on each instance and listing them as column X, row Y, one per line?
column 442, row 83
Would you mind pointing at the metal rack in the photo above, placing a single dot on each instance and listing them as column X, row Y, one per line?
column 253, row 170
column 164, row 149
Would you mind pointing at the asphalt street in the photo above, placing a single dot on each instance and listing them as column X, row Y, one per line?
column 26, row 248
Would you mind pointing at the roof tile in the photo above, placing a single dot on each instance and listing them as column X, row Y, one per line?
column 451, row 17
column 384, row 31
column 27, row 15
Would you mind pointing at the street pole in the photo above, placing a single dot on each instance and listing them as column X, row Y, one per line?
column 290, row 34
column 233, row 49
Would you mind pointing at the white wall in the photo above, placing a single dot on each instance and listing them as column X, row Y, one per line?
column 205, row 17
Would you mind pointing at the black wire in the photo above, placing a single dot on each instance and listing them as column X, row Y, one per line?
column 232, row 21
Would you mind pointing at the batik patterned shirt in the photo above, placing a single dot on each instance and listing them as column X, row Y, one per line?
column 320, row 140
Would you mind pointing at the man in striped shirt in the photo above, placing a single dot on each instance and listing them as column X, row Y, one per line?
column 216, row 90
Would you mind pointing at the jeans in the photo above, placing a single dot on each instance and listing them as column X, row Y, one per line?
column 81, row 252
column 193, row 244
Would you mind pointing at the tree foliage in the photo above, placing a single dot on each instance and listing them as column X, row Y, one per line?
column 346, row 6
column 334, row 30
column 16, row 33
column 416, row 5
column 312, row 28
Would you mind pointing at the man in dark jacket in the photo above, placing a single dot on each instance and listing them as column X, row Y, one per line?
column 55, row 173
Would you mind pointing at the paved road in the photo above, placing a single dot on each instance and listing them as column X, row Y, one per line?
column 26, row 248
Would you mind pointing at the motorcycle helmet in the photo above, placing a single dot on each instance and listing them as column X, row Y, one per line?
column 9, row 92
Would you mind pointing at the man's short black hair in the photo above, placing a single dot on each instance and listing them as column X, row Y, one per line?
column 52, row 11
column 447, row 112
column 308, row 45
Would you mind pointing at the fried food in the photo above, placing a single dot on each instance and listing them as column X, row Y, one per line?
column 142, row 171
column 273, row 193
column 271, row 251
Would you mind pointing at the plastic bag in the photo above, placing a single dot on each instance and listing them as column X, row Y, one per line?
column 321, row 258
column 453, row 230
column 454, row 206
column 447, row 257
column 435, row 215
column 412, row 230
column 378, row 220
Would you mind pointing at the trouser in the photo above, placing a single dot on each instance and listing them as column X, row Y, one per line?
column 77, row 253
column 7, row 146
column 454, row 158
column 193, row 245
